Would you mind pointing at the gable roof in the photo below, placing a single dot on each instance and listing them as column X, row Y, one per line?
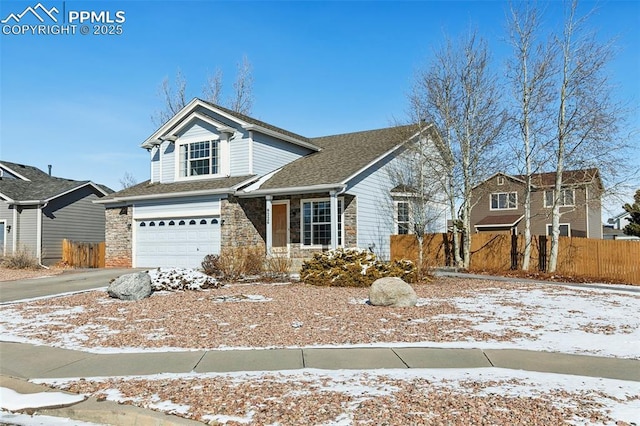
column 569, row 177
column 40, row 187
column 341, row 157
column 246, row 122
column 257, row 122
column 542, row 180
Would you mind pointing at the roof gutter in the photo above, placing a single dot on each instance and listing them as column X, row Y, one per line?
column 166, row 195
column 339, row 187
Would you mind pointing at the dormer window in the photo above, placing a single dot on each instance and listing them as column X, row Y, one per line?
column 199, row 158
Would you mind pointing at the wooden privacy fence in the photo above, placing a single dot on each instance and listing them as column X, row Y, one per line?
column 614, row 260
column 83, row 255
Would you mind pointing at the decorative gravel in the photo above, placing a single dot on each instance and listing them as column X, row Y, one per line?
column 450, row 312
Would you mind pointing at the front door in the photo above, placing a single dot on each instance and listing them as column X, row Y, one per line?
column 279, row 228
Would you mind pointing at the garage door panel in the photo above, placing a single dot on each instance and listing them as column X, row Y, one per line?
column 176, row 245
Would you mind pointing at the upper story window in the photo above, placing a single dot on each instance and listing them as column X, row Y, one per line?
column 567, row 198
column 199, row 158
column 402, row 217
column 504, row 201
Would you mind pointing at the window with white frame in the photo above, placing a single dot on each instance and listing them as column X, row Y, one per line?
column 402, row 217
column 199, row 158
column 565, row 229
column 504, row 201
column 567, row 198
column 316, row 222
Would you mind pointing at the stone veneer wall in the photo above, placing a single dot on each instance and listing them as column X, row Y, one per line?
column 118, row 237
column 244, row 222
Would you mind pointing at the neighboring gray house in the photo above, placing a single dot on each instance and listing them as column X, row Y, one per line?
column 38, row 211
column 222, row 179
column 613, row 230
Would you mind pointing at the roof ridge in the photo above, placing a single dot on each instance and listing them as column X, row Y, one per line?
column 256, row 121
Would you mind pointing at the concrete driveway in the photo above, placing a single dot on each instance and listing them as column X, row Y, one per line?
column 11, row 291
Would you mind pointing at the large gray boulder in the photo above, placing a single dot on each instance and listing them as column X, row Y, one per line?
column 131, row 286
column 392, row 291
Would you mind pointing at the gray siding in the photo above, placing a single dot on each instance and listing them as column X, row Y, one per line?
column 270, row 153
column 74, row 217
column 375, row 211
column 155, row 165
column 27, row 230
column 239, row 151
column 199, row 129
column 168, row 161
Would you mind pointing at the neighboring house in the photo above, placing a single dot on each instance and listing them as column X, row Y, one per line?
column 38, row 211
column 613, row 230
column 222, row 179
column 498, row 204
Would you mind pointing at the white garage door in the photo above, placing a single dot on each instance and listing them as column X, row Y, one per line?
column 176, row 242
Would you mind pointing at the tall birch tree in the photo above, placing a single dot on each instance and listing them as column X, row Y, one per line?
column 458, row 92
column 530, row 76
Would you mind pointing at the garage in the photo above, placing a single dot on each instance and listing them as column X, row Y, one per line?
column 176, row 242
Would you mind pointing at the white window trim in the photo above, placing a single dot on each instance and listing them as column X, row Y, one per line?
column 319, row 246
column 223, row 157
column 500, row 180
column 501, row 209
column 573, row 194
column 568, row 225
column 395, row 218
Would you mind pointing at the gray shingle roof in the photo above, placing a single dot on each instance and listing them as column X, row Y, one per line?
column 257, row 122
column 40, row 186
column 340, row 158
column 147, row 188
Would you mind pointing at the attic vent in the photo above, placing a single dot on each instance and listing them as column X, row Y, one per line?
column 500, row 180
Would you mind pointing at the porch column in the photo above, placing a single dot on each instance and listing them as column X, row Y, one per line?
column 269, row 228
column 333, row 197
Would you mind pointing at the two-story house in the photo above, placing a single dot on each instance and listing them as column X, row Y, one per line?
column 222, row 179
column 498, row 204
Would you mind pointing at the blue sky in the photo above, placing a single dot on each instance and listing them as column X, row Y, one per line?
column 83, row 102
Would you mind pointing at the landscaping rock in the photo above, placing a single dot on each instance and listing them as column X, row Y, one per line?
column 392, row 291
column 131, row 286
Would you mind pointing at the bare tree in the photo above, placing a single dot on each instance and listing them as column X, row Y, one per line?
column 174, row 99
column 587, row 118
column 530, row 75
column 127, row 180
column 459, row 94
column 212, row 90
column 174, row 96
column 242, row 100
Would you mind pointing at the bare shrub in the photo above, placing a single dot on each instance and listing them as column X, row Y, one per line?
column 22, row 259
column 278, row 267
column 235, row 263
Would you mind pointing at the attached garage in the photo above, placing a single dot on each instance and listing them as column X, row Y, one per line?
column 175, row 242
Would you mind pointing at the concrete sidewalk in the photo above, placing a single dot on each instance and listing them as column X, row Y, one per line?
column 20, row 361
column 30, row 361
column 68, row 281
